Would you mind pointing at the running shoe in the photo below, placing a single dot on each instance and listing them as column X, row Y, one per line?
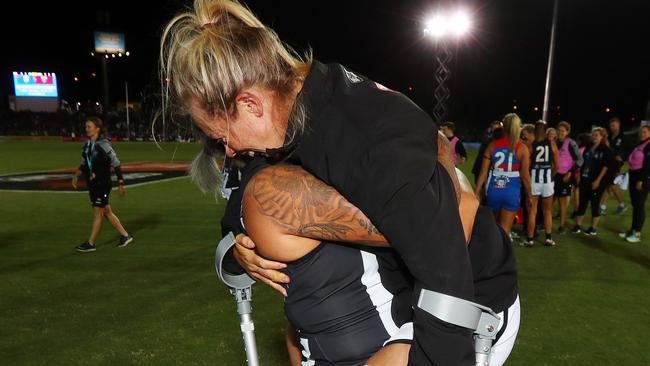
column 526, row 243
column 86, row 247
column 591, row 232
column 124, row 241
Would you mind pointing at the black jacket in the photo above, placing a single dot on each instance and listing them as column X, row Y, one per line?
column 97, row 158
column 378, row 149
column 595, row 161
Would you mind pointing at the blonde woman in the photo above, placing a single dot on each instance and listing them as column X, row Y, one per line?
column 245, row 88
column 509, row 162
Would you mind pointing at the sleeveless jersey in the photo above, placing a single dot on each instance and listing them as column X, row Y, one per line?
column 542, row 157
column 566, row 160
column 505, row 166
column 637, row 156
column 345, row 301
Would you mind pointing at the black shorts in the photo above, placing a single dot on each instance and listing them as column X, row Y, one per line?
column 99, row 194
column 562, row 188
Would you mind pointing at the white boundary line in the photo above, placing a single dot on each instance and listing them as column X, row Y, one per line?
column 86, row 191
column 60, row 170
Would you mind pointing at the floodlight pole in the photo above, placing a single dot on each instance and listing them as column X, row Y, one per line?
column 442, row 75
column 549, row 69
column 105, row 80
column 128, row 124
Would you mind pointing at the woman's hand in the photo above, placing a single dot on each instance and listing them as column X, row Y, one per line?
column 75, row 179
column 639, row 185
column 120, row 189
column 566, row 177
column 259, row 268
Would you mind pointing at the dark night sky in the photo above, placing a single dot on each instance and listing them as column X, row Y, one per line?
column 602, row 55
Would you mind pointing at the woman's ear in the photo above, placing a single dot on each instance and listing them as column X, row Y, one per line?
column 251, row 103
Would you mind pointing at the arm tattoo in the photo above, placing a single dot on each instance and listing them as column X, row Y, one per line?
column 370, row 228
column 305, row 206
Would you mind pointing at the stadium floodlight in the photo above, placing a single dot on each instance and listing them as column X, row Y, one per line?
column 460, row 24
column 127, row 53
column 444, row 25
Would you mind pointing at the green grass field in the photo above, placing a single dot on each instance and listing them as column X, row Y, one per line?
column 158, row 302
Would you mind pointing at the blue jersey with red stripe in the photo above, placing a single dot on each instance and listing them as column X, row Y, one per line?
column 505, row 166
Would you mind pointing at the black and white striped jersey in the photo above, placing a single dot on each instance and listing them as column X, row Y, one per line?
column 346, row 303
column 542, row 162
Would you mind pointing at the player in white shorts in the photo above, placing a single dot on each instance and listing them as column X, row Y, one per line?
column 544, row 162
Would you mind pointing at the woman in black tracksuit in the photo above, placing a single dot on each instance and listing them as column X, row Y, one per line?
column 599, row 165
column 98, row 157
column 639, row 183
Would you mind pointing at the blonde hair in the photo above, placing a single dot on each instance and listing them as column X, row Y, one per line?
column 210, row 53
column 512, row 128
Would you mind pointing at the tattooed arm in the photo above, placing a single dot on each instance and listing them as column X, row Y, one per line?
column 305, row 206
column 288, row 207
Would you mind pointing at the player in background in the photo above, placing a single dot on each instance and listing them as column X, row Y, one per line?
column 509, row 162
column 570, row 159
column 544, row 164
column 458, row 152
column 620, row 148
column 98, row 157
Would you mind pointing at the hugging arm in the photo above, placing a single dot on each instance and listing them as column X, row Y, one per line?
column 296, row 203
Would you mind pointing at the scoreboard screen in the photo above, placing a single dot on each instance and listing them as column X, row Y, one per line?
column 106, row 42
column 35, row 84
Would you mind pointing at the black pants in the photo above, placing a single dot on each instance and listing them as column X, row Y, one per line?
column 589, row 195
column 638, row 200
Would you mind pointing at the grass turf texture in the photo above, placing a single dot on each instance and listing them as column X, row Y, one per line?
column 158, row 302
